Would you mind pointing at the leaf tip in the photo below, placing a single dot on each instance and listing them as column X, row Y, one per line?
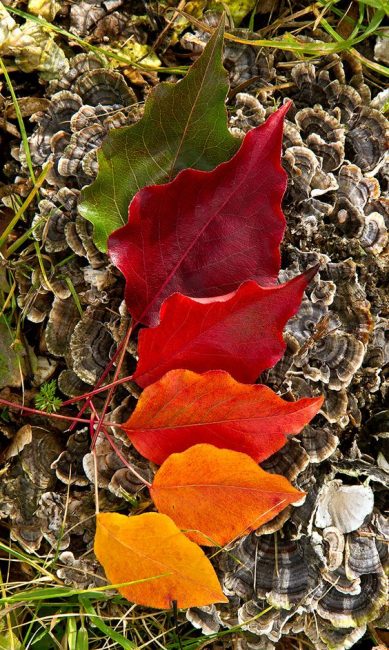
column 284, row 108
column 311, row 272
column 320, row 401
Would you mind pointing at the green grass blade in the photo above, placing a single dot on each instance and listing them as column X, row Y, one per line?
column 75, row 297
column 99, row 623
column 19, row 214
column 82, row 639
column 71, row 633
column 20, row 121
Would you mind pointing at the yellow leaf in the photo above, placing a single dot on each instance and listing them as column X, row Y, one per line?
column 162, row 564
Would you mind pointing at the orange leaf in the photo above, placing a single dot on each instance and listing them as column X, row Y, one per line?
column 152, row 549
column 184, row 409
column 222, row 493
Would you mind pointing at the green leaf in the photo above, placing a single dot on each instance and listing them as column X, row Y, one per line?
column 238, row 9
column 97, row 621
column 378, row 4
column 11, row 363
column 46, row 399
column 9, row 641
column 71, row 632
column 184, row 125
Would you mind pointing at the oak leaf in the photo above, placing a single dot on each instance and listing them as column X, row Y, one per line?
column 185, row 408
column 184, row 125
column 205, row 233
column 216, row 495
column 151, row 549
column 240, row 332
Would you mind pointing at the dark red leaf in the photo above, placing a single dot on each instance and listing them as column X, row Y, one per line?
column 240, row 332
column 205, row 233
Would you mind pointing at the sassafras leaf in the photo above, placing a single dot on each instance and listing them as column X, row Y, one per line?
column 184, row 125
column 185, row 408
column 205, row 233
column 217, row 495
column 161, row 562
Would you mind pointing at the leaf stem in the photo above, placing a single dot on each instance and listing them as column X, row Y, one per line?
column 96, row 391
column 116, row 374
column 115, row 448
column 57, row 416
column 125, row 461
column 98, row 383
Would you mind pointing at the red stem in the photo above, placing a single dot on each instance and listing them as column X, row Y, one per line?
column 57, row 416
column 116, row 450
column 111, row 390
column 22, row 408
column 95, row 391
column 126, row 463
column 98, row 383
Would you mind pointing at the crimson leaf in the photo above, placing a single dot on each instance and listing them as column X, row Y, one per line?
column 205, row 233
column 240, row 332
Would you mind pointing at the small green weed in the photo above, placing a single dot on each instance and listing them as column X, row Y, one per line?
column 47, row 400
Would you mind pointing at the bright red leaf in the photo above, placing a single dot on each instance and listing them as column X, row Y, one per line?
column 240, row 332
column 216, row 495
column 184, row 409
column 205, row 233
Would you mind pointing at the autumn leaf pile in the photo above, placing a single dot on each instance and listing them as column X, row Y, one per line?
column 200, row 254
